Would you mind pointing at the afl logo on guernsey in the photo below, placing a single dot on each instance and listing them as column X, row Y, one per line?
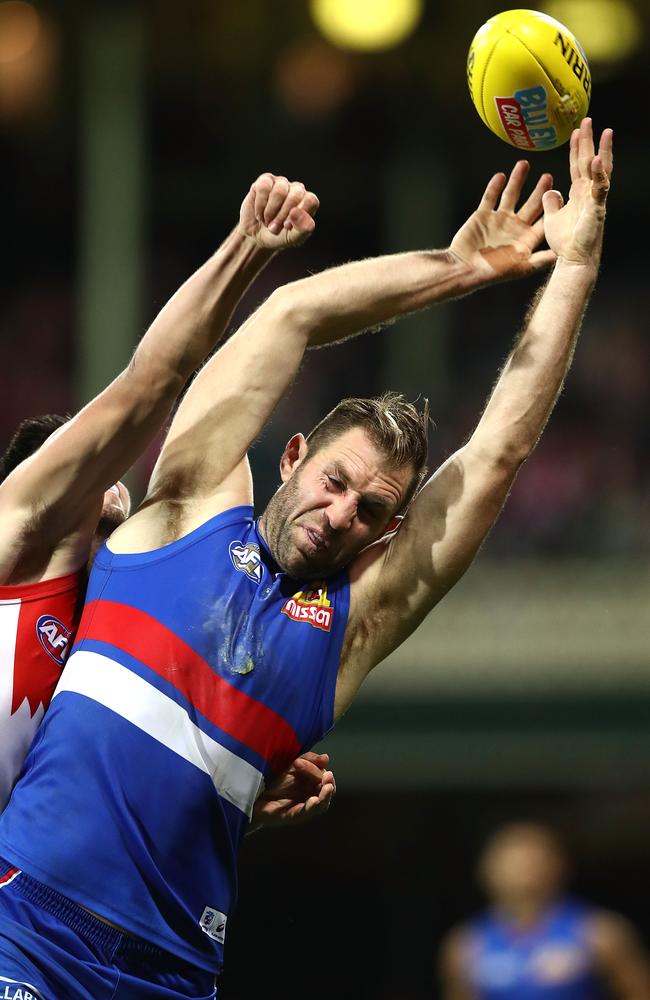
column 311, row 606
column 213, row 923
column 54, row 637
column 247, row 559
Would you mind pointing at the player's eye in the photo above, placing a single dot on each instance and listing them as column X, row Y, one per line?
column 335, row 483
column 367, row 513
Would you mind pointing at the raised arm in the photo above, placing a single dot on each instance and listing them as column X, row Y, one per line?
column 235, row 394
column 396, row 584
column 50, row 504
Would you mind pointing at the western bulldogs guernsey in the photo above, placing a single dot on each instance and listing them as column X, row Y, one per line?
column 551, row 961
column 199, row 670
column 37, row 623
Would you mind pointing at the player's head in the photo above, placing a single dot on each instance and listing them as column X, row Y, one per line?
column 343, row 485
column 29, row 437
column 523, row 862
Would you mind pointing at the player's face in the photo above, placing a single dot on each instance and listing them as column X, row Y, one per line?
column 526, row 865
column 332, row 504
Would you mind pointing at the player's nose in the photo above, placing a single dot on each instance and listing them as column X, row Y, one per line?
column 341, row 513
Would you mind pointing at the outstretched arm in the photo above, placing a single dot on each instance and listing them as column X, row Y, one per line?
column 50, row 504
column 235, row 394
column 397, row 583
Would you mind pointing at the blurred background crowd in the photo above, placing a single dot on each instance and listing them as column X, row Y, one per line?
column 129, row 134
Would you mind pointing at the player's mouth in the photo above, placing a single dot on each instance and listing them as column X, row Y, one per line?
column 316, row 539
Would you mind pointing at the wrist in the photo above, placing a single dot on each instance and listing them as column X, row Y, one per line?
column 579, row 267
column 465, row 274
column 249, row 248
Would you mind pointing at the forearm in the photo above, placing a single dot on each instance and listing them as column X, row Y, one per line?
column 532, row 378
column 104, row 439
column 342, row 301
column 196, row 317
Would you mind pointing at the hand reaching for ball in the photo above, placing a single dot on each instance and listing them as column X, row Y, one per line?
column 575, row 230
column 277, row 213
column 499, row 241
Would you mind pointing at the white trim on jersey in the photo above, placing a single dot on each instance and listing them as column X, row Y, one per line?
column 9, row 615
column 127, row 694
column 17, row 730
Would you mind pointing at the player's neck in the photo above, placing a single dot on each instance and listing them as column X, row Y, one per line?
column 522, row 913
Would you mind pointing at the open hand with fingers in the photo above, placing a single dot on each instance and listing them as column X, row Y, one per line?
column 499, row 241
column 575, row 230
column 303, row 791
column 277, row 213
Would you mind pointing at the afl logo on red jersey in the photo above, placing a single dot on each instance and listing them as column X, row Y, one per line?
column 54, row 637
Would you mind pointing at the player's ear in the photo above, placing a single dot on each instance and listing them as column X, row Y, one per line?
column 294, row 453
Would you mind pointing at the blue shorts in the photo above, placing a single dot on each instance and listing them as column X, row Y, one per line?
column 53, row 949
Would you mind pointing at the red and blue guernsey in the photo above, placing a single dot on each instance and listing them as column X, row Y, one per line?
column 552, row 960
column 199, row 671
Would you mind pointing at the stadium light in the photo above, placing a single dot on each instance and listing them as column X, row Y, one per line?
column 368, row 25
column 19, row 30
column 609, row 30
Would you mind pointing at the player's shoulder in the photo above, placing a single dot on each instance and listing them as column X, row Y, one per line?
column 455, row 945
column 608, row 930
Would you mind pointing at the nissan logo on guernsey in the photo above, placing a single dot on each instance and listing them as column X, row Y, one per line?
column 54, row 637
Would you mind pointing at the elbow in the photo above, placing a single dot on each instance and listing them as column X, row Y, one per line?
column 504, row 458
column 514, row 454
column 288, row 311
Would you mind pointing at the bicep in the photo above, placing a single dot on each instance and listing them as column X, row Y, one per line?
column 436, row 542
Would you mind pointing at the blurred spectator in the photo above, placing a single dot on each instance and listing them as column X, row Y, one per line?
column 535, row 942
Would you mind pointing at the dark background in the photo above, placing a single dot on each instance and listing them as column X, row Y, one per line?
column 129, row 134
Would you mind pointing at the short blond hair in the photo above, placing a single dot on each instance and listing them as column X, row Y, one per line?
column 398, row 428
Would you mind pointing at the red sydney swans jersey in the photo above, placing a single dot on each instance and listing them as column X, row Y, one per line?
column 37, row 626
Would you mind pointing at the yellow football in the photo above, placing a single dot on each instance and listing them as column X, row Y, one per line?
column 529, row 79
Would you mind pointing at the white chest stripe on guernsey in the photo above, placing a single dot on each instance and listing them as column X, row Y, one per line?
column 125, row 693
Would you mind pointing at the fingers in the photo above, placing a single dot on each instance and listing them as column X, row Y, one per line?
column 309, row 770
column 320, row 803
column 542, row 260
column 512, row 190
column 532, row 208
column 537, row 232
column 261, row 190
column 606, row 150
column 320, row 759
column 283, row 197
column 492, row 191
column 298, row 227
column 574, row 167
column 310, row 203
column 275, row 200
column 599, row 180
column 553, row 202
column 585, row 147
